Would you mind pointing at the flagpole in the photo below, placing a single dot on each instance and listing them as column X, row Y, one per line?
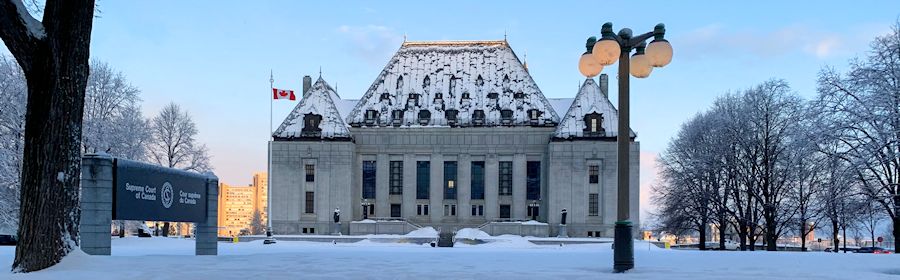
column 269, row 235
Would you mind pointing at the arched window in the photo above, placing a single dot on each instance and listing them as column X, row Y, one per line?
column 426, row 83
column 399, row 83
column 479, row 81
column 593, row 125
column 452, row 86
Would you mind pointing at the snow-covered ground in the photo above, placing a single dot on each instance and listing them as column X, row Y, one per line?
column 505, row 257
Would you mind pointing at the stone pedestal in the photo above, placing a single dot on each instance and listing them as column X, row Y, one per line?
column 335, row 229
column 562, row 231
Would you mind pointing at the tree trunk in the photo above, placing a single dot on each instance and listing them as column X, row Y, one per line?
column 54, row 57
column 845, row 239
column 702, row 244
column 742, row 234
column 835, row 231
column 803, row 235
column 771, row 242
column 897, row 232
column 165, row 231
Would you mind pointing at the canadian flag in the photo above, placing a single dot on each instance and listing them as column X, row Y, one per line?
column 283, row 94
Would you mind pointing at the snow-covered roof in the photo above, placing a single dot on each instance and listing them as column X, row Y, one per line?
column 461, row 75
column 319, row 100
column 590, row 99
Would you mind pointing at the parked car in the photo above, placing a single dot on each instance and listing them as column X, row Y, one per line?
column 8, row 240
column 872, row 250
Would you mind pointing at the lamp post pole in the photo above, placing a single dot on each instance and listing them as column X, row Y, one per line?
column 608, row 50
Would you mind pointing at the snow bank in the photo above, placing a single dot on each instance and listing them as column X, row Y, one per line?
column 423, row 232
column 471, row 233
column 533, row 222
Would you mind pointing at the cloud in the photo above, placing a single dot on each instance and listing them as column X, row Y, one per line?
column 371, row 43
column 717, row 39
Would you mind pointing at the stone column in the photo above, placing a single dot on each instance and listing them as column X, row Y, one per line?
column 464, row 188
column 96, row 203
column 207, row 239
column 409, row 186
column 491, row 182
column 436, row 196
column 519, row 204
column 382, row 186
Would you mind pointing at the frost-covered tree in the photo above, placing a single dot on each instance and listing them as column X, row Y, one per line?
column 112, row 115
column 256, row 223
column 173, row 141
column 53, row 54
column 13, row 92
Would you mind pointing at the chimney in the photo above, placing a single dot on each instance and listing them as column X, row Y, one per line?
column 604, row 85
column 307, row 83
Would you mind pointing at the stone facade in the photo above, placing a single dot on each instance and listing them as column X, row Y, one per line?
column 440, row 105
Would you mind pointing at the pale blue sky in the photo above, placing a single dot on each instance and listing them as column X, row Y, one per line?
column 214, row 57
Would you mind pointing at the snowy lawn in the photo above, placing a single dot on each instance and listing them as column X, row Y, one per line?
column 510, row 258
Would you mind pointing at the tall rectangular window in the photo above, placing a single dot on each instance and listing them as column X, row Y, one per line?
column 368, row 180
column 310, row 203
column 423, row 179
column 593, row 204
column 422, row 209
column 449, row 209
column 504, row 211
column 594, row 174
column 450, row 180
column 395, row 210
column 506, row 174
column 477, row 210
column 533, row 180
column 477, row 180
column 396, row 177
column 310, row 173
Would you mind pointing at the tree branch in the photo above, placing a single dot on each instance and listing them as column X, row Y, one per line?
column 20, row 31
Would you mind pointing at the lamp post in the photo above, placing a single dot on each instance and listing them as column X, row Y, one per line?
column 365, row 208
column 534, row 209
column 606, row 51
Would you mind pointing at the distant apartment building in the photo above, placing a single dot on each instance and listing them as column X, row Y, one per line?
column 237, row 205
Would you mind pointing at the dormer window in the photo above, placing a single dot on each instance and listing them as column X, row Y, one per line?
column 424, row 117
column 465, row 95
column 479, row 81
column 478, row 117
column 438, row 97
column 593, row 125
column 451, row 116
column 371, row 117
column 426, row 83
column 534, row 115
column 519, row 95
column 493, row 95
column 397, row 117
column 452, row 86
column 413, row 99
column 506, row 116
column 311, row 125
column 385, row 96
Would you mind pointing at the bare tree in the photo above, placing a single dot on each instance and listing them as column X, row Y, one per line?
column 256, row 223
column 173, row 141
column 865, row 105
column 53, row 54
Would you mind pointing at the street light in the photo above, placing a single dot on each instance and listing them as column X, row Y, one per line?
column 605, row 52
column 365, row 207
column 534, row 209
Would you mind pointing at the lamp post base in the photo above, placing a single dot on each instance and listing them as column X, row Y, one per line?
column 623, row 251
column 563, row 232
column 270, row 239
